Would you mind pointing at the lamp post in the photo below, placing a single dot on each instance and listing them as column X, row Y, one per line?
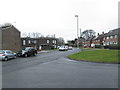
column 77, row 30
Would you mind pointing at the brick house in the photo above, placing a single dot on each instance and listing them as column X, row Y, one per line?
column 98, row 40
column 105, row 39
column 41, row 43
column 10, row 38
column 89, row 41
column 111, row 37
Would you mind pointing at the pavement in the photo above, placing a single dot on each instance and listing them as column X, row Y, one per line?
column 43, row 51
column 55, row 70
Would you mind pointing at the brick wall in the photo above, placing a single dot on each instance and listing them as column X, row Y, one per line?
column 11, row 39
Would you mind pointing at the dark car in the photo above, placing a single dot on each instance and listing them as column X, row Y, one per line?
column 29, row 51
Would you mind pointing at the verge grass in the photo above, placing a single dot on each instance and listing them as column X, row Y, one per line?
column 103, row 56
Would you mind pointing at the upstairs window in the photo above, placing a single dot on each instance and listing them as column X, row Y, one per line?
column 35, row 41
column 53, row 41
column 24, row 42
column 48, row 41
column 29, row 41
column 115, row 36
column 107, row 37
column 111, row 37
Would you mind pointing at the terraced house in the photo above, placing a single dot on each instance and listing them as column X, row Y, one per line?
column 9, row 38
column 111, row 37
column 41, row 43
column 105, row 39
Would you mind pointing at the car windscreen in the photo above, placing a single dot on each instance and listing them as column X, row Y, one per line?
column 1, row 52
column 26, row 49
column 62, row 46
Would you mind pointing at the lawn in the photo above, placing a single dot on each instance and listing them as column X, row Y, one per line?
column 103, row 56
column 88, row 49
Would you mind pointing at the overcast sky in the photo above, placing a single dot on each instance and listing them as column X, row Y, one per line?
column 58, row 16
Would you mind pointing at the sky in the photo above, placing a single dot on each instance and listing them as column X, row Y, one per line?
column 57, row 17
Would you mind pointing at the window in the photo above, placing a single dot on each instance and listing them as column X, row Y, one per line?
column 35, row 41
column 53, row 41
column 115, row 43
column 111, row 36
column 115, row 36
column 111, row 42
column 24, row 42
column 107, row 43
column 48, row 41
column 29, row 41
column 104, row 38
column 107, row 37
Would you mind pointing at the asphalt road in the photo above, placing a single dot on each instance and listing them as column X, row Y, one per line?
column 53, row 70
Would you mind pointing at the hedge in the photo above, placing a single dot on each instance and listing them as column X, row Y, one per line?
column 114, row 46
column 97, row 46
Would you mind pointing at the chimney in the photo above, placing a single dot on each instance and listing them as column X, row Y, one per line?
column 98, row 34
column 102, row 32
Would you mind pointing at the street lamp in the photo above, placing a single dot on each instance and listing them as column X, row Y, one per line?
column 77, row 30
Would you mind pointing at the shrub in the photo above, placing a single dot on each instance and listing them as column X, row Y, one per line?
column 97, row 46
column 114, row 46
column 106, row 47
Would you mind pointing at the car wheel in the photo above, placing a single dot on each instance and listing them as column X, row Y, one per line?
column 26, row 55
column 34, row 54
column 6, row 59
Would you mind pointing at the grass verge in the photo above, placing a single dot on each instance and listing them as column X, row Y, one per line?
column 102, row 56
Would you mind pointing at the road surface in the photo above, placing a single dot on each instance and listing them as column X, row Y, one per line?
column 53, row 70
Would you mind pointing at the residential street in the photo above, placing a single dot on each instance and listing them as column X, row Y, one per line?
column 53, row 70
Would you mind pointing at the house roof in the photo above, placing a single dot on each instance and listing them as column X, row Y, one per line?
column 100, row 36
column 8, row 27
column 90, row 38
column 113, row 32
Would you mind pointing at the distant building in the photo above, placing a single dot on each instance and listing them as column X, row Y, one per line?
column 104, row 39
column 41, row 43
column 10, row 38
column 98, row 40
column 111, row 37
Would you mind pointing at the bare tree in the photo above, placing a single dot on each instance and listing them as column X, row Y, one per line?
column 88, row 33
column 24, row 34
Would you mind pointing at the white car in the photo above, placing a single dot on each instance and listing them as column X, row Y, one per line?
column 70, row 48
column 63, row 48
column 7, row 54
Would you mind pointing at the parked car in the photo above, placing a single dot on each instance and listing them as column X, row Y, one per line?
column 29, row 51
column 85, row 46
column 63, row 48
column 7, row 54
column 70, row 47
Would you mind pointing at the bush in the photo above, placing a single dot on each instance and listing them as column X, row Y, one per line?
column 114, row 46
column 106, row 47
column 97, row 46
